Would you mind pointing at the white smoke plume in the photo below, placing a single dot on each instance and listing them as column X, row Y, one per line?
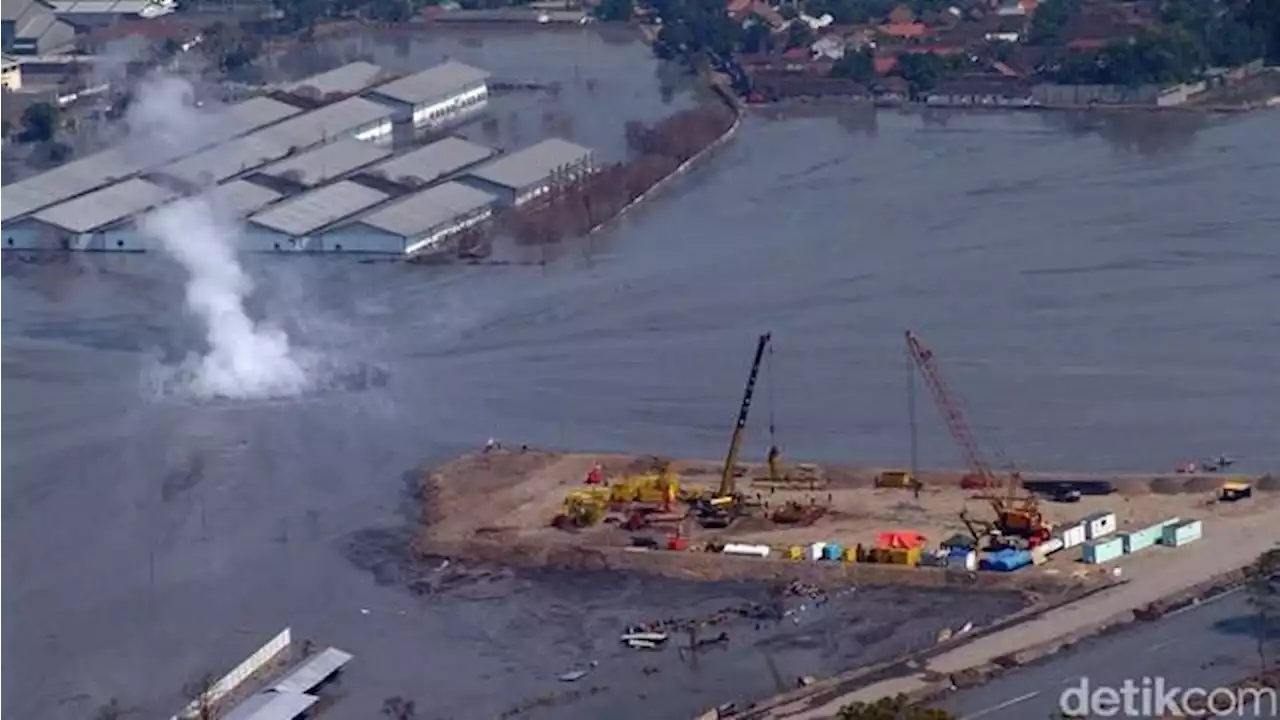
column 246, row 359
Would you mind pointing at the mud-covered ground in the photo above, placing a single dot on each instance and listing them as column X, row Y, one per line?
column 772, row 638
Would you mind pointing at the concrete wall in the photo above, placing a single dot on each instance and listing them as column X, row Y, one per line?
column 441, row 112
column 358, row 238
column 433, row 239
column 255, row 238
column 240, row 673
column 29, row 234
column 1077, row 95
column 378, row 132
column 1179, row 94
column 559, row 176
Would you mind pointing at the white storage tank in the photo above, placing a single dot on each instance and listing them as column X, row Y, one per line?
column 1099, row 525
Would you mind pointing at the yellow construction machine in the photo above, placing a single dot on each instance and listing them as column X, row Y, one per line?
column 652, row 488
column 727, row 504
column 583, row 508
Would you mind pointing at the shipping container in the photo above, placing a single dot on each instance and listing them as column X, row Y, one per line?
column 815, row 551
column 1181, row 533
column 850, row 555
column 1099, row 525
column 966, row 559
column 744, row 549
column 1072, row 535
column 795, row 552
column 1040, row 553
column 832, row 551
column 1097, row 552
column 1050, row 546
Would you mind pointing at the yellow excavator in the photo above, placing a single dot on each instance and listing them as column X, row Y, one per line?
column 727, row 504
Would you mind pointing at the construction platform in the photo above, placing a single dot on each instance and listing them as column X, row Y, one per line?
column 498, row 506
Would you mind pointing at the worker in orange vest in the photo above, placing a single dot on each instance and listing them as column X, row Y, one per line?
column 595, row 476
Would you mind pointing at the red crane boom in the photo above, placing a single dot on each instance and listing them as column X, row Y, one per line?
column 979, row 468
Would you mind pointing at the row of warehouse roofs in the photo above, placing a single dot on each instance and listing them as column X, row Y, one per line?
column 434, row 84
column 118, row 163
column 282, row 129
column 326, row 205
column 411, row 170
column 325, row 124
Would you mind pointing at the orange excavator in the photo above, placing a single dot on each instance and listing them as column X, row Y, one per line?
column 1017, row 511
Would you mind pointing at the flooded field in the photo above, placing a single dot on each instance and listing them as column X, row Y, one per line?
column 1100, row 291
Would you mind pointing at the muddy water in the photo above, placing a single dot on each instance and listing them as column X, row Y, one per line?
column 1102, row 292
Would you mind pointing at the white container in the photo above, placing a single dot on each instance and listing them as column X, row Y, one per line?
column 815, row 551
column 1100, row 525
column 1050, row 546
column 1073, row 536
column 968, row 561
column 743, row 549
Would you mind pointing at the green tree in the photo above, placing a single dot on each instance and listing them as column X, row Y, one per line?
column 894, row 708
column 921, row 70
column 799, row 35
column 39, row 123
column 614, row 10
column 1049, row 23
column 859, row 66
column 757, row 38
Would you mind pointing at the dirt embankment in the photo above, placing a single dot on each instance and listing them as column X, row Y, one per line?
column 497, row 507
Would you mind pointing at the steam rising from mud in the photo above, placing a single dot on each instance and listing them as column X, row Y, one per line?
column 246, row 358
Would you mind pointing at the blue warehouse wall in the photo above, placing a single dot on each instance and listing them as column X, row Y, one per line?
column 255, row 238
column 359, row 238
column 31, row 234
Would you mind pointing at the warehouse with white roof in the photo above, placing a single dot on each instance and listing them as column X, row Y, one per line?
column 325, row 163
column 353, row 117
column 294, row 224
column 348, row 79
column 100, row 220
column 431, row 163
column 436, row 96
column 416, row 224
column 526, row 174
column 103, row 168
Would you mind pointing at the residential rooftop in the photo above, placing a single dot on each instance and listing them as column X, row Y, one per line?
column 428, row 164
column 428, row 210
column 347, row 79
column 433, row 84
column 533, row 164
column 106, row 206
column 327, row 162
column 316, row 209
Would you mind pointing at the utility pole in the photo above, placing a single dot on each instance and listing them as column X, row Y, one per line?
column 911, row 416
